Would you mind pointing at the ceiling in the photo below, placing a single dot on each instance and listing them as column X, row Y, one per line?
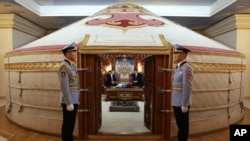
column 194, row 14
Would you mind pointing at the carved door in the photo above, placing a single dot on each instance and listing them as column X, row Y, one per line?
column 148, row 91
column 89, row 113
column 157, row 115
column 99, row 91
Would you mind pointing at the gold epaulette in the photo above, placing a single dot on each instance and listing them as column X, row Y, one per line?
column 66, row 66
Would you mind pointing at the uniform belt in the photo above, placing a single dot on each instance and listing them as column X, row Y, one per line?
column 177, row 88
column 74, row 87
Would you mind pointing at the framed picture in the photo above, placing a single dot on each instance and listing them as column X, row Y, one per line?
column 124, row 66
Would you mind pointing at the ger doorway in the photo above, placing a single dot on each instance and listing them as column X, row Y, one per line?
column 155, row 121
column 122, row 102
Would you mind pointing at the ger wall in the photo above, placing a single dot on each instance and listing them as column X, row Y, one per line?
column 32, row 95
column 14, row 32
column 235, row 32
column 217, row 92
column 33, row 91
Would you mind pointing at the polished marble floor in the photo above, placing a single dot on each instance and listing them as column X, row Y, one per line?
column 12, row 132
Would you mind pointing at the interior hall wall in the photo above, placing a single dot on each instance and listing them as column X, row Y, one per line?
column 243, row 45
column 235, row 32
column 5, row 46
column 14, row 32
column 229, row 39
column 20, row 38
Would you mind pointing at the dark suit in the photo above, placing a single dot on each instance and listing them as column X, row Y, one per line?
column 137, row 79
column 110, row 80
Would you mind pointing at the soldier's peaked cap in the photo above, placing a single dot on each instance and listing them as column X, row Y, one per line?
column 70, row 47
column 179, row 48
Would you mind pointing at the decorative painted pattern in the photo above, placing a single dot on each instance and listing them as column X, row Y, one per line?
column 125, row 17
column 217, row 67
column 39, row 66
column 55, row 65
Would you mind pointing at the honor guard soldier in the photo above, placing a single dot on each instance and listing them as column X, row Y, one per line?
column 69, row 96
column 181, row 91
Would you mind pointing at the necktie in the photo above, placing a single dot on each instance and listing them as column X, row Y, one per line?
column 176, row 67
column 74, row 68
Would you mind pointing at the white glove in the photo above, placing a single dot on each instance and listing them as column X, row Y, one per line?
column 184, row 109
column 70, row 107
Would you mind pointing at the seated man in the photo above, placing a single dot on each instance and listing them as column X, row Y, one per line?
column 137, row 78
column 110, row 79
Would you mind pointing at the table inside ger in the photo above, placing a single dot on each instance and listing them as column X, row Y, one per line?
column 112, row 93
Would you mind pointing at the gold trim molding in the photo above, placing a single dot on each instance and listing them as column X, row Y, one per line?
column 21, row 24
column 164, row 49
column 237, row 21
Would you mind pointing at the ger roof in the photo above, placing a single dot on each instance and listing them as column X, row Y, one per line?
column 126, row 28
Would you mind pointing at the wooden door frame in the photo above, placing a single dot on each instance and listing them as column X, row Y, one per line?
column 165, row 71
column 82, row 117
column 162, row 99
column 87, row 119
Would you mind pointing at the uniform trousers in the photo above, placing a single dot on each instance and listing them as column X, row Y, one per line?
column 182, row 121
column 69, row 118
